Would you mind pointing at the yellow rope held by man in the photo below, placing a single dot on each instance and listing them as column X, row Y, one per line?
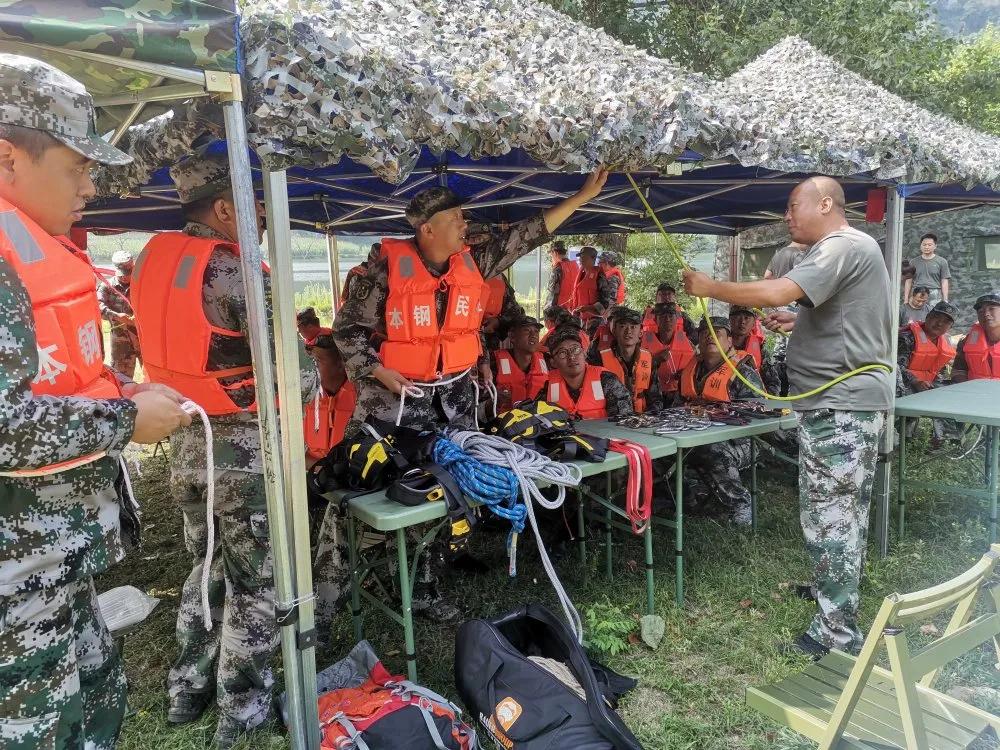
column 711, row 329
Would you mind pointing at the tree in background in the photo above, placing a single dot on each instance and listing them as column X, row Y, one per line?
column 969, row 84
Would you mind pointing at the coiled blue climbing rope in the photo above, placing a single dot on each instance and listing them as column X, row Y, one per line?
column 496, row 487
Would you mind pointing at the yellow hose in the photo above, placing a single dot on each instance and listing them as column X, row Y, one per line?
column 715, row 338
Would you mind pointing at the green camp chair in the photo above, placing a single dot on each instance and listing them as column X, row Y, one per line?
column 847, row 702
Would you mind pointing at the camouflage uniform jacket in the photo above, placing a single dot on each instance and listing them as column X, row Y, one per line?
column 653, row 395
column 555, row 282
column 363, row 316
column 607, row 291
column 63, row 527
column 904, row 378
column 236, row 437
column 509, row 310
column 112, row 297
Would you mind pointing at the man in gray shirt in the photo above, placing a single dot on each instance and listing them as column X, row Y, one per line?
column 843, row 323
column 931, row 271
column 785, row 260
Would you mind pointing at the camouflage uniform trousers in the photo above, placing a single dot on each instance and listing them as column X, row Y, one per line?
column 837, row 457
column 62, row 686
column 714, row 470
column 124, row 352
column 234, row 659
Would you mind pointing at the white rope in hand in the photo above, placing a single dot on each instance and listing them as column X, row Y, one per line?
column 529, row 467
column 206, row 571
column 416, row 390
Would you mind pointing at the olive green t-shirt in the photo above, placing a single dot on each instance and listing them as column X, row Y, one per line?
column 843, row 323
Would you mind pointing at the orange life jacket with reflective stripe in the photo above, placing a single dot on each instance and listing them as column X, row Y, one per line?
column 620, row 294
column 326, row 420
column 591, row 403
column 493, row 301
column 716, row 385
column 928, row 357
column 678, row 353
column 567, row 282
column 649, row 321
column 59, row 280
column 521, row 385
column 982, row 359
column 174, row 333
column 416, row 345
column 585, row 290
column 603, row 336
column 642, row 374
column 755, row 346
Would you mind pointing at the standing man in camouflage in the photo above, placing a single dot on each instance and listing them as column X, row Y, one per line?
column 117, row 310
column 844, row 322
column 233, row 661
column 437, row 218
column 63, row 424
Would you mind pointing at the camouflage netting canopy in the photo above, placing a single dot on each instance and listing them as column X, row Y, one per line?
column 189, row 34
column 377, row 80
column 795, row 109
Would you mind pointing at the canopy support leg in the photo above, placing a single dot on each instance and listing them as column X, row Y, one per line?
column 333, row 262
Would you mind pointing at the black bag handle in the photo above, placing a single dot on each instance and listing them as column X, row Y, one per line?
column 519, row 731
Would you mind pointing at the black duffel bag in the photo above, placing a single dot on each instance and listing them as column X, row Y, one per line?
column 522, row 705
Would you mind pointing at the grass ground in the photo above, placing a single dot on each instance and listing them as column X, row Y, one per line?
column 691, row 690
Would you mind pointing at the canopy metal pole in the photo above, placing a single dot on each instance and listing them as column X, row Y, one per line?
column 896, row 204
column 538, row 300
column 333, row 263
column 293, row 457
column 260, row 347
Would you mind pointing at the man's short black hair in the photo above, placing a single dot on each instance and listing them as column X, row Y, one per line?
column 928, row 236
column 306, row 316
column 920, row 290
column 30, row 140
column 665, row 287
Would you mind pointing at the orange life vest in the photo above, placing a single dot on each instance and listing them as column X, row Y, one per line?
column 590, row 405
column 620, row 294
column 174, row 333
column 716, row 386
column 603, row 336
column 416, row 345
column 567, row 282
column 678, row 353
column 642, row 374
column 585, row 290
column 493, row 301
column 326, row 421
column 649, row 321
column 521, row 385
column 755, row 346
column 59, row 280
column 928, row 357
column 982, row 359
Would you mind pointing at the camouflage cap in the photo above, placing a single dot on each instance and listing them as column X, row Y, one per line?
column 666, row 286
column 990, row 298
column 718, row 323
column 665, row 308
column 36, row 95
column 610, row 257
column 588, row 250
column 624, row 314
column 555, row 312
column 561, row 335
column 200, row 176
column 428, row 202
column 945, row 308
column 737, row 309
column 122, row 258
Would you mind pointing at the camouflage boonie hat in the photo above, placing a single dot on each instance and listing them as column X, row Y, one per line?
column 624, row 314
column 428, row 202
column 36, row 95
column 608, row 256
column 737, row 309
column 990, row 298
column 946, row 309
column 201, row 176
column 718, row 322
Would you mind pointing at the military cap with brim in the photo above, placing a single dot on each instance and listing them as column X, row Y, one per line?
column 625, row 315
column 990, row 298
column 201, row 175
column 666, row 286
column 609, row 256
column 665, row 308
column 428, row 202
column 122, row 258
column 945, row 308
column 589, row 249
column 718, row 322
column 561, row 335
column 36, row 95
column 737, row 309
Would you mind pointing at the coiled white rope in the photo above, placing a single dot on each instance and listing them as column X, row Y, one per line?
column 206, row 572
column 529, row 467
column 416, row 390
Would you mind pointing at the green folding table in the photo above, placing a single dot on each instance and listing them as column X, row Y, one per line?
column 974, row 402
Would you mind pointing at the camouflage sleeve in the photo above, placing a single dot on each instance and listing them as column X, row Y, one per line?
column 738, row 390
column 499, row 253
column 594, row 354
column 360, row 318
column 102, row 301
column 235, row 304
column 906, row 345
column 690, row 328
column 654, row 398
column 39, row 431
column 960, row 367
column 769, row 373
column 510, row 308
column 555, row 281
column 617, row 399
column 607, row 292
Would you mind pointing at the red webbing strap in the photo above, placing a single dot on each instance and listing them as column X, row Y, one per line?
column 639, row 489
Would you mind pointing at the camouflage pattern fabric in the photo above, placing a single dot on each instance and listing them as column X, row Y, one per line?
column 738, row 390
column 940, row 428
column 607, row 292
column 363, row 316
column 653, row 396
column 62, row 685
column 509, row 310
column 112, row 298
column 201, row 176
column 712, row 477
column 837, row 455
column 555, row 282
column 233, row 660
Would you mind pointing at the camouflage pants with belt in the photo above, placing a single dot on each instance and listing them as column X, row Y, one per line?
column 62, row 686
column 837, row 456
column 714, row 470
column 124, row 352
column 234, row 657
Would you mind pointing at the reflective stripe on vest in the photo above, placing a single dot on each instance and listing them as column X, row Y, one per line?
column 642, row 374
column 174, row 333
column 982, row 359
column 716, row 385
column 928, row 358
column 60, row 282
column 522, row 385
column 567, row 282
column 590, row 405
column 416, row 345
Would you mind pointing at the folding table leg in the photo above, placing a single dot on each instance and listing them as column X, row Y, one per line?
column 609, row 564
column 648, row 541
column 679, row 526
column 753, row 484
column 994, row 479
column 581, row 531
column 352, row 561
column 405, row 595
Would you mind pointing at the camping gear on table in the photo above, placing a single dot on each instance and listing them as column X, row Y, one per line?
column 521, row 674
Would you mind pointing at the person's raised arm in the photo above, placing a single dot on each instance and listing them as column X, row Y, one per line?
column 767, row 293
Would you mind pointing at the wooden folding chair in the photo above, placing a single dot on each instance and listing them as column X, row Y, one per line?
column 847, row 702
